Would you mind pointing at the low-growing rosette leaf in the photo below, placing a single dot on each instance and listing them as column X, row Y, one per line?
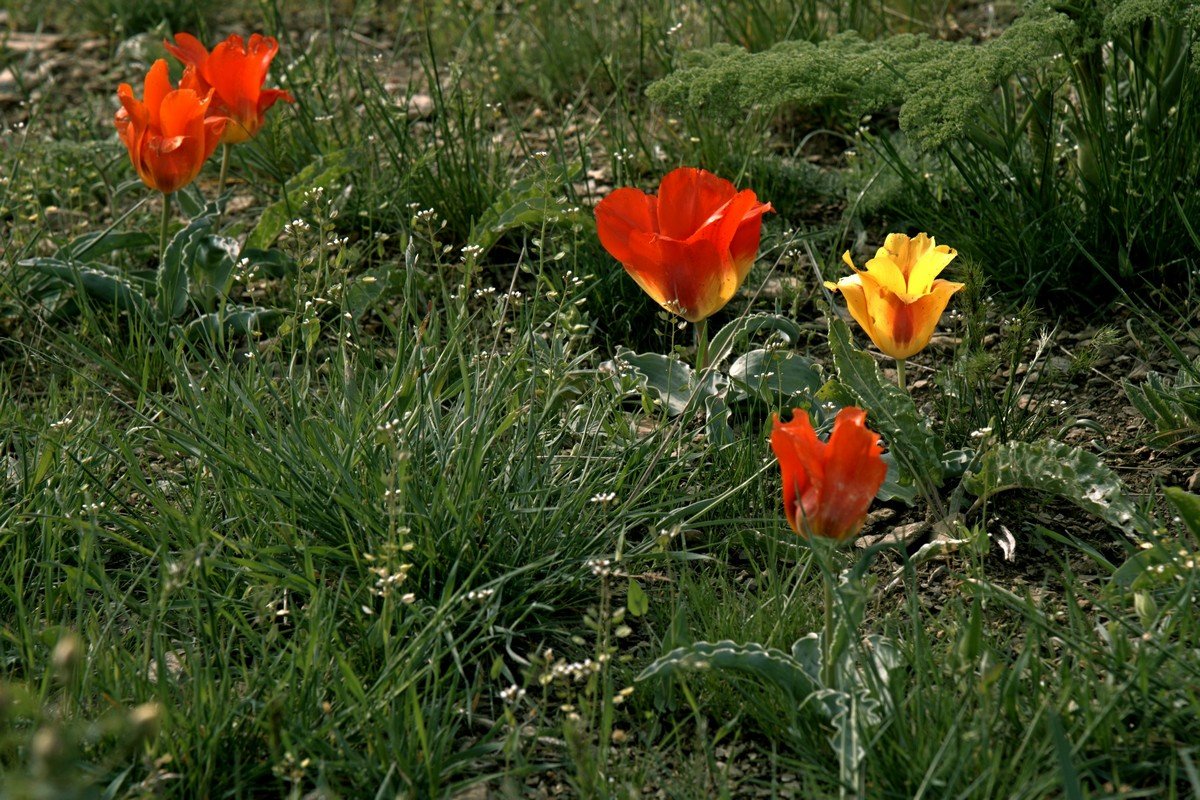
column 1059, row 469
column 104, row 285
column 779, row 378
column 765, row 663
column 217, row 327
column 668, row 380
column 742, row 328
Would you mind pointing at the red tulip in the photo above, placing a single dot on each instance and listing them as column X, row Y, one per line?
column 169, row 132
column 690, row 247
column 828, row 487
column 236, row 71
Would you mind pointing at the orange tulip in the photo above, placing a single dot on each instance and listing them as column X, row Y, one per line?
column 898, row 299
column 169, row 132
column 690, row 247
column 828, row 487
column 236, row 71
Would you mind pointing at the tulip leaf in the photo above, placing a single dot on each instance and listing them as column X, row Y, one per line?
column 751, row 658
column 890, row 410
column 896, row 485
column 1161, row 563
column 211, row 260
column 99, row 243
column 1187, row 506
column 323, row 172
column 97, row 283
column 529, row 203
column 1059, row 469
column 216, row 327
column 667, row 379
column 716, row 419
column 744, row 327
column 173, row 271
column 778, row 377
column 270, row 263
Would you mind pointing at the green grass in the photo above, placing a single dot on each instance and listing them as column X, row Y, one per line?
column 316, row 562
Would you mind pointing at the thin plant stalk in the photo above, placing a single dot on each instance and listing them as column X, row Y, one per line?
column 225, row 148
column 900, row 363
column 701, row 345
column 162, row 229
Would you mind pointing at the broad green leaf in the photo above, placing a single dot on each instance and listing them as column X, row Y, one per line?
column 1062, row 470
column 173, row 271
column 725, row 339
column 325, row 171
column 751, row 658
column 896, row 485
column 373, row 286
column 102, row 286
column 529, row 203
column 217, row 327
column 210, row 261
column 636, row 599
column 1187, row 506
column 99, row 243
column 668, row 379
column 777, row 377
column 716, row 419
column 890, row 410
column 272, row 263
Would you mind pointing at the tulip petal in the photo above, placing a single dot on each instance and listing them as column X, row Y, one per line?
column 927, row 311
column 156, row 88
column 893, row 326
column 854, row 471
column 800, row 455
column 179, row 111
column 688, row 199
column 853, row 290
column 270, row 97
column 741, row 231
column 619, row 216
column 188, row 49
column 888, row 274
column 928, row 266
column 698, row 278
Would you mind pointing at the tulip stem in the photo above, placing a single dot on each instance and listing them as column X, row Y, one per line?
column 221, row 182
column 701, row 345
column 162, row 228
column 900, row 373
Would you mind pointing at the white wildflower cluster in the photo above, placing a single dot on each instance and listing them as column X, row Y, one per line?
column 478, row 595
column 425, row 215
column 512, row 695
column 471, row 252
column 389, row 579
column 623, row 155
column 604, row 498
column 296, row 226
column 391, row 425
column 600, row 567
column 571, row 671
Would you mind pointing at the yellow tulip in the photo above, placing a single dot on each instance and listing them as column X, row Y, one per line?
column 898, row 299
